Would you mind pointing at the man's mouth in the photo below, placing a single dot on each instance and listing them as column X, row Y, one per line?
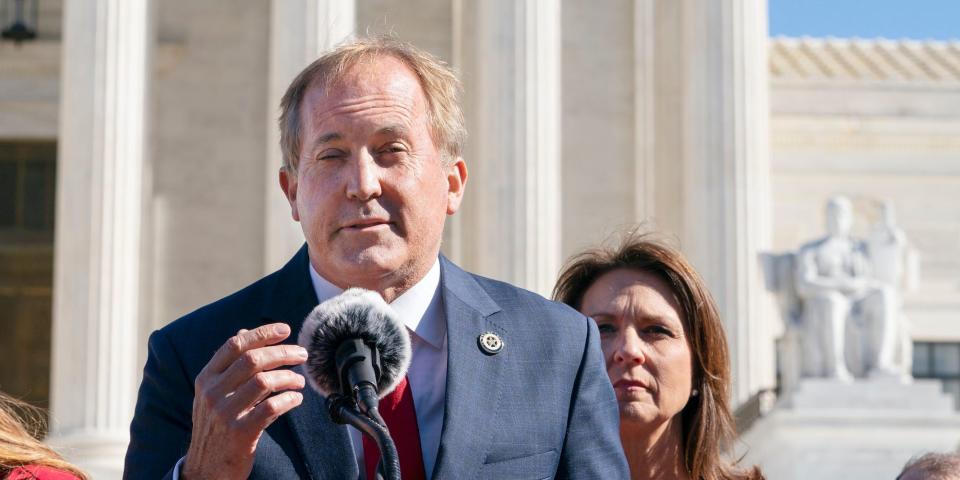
column 370, row 224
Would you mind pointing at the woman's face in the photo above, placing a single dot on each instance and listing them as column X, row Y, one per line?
column 644, row 344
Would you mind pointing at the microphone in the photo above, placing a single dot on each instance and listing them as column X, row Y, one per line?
column 357, row 347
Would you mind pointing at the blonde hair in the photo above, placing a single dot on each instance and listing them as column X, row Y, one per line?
column 438, row 81
column 20, row 425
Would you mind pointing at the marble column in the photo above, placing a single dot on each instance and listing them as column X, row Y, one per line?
column 300, row 31
column 644, row 109
column 726, row 173
column 509, row 55
column 97, row 278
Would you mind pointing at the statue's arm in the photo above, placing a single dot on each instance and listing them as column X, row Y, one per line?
column 807, row 278
column 809, row 281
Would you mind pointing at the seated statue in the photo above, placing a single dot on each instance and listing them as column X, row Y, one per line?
column 843, row 305
column 895, row 263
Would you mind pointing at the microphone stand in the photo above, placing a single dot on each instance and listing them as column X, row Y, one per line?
column 343, row 411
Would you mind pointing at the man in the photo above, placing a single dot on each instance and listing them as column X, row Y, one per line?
column 502, row 384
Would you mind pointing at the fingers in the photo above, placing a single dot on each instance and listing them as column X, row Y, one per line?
column 235, row 399
column 261, row 359
column 261, row 386
column 241, row 342
column 270, row 409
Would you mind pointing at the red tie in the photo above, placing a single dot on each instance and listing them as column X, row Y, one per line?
column 398, row 411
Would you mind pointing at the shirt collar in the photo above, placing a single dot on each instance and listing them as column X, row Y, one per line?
column 419, row 307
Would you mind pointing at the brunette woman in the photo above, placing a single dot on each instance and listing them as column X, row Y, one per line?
column 666, row 356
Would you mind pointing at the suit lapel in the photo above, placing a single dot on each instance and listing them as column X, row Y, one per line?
column 324, row 445
column 473, row 378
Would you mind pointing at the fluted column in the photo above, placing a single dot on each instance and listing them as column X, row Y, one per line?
column 726, row 173
column 96, row 304
column 509, row 55
column 300, row 31
column 644, row 111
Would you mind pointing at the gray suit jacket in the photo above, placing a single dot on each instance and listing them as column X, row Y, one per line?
column 540, row 408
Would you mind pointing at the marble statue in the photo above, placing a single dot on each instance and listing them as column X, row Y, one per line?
column 895, row 263
column 843, row 301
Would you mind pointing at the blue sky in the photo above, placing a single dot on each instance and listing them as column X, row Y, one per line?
column 916, row 19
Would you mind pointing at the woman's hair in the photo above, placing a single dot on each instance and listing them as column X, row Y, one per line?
column 707, row 423
column 20, row 425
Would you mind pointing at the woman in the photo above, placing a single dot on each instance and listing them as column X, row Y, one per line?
column 22, row 456
column 666, row 356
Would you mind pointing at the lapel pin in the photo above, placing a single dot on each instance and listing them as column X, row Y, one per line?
column 490, row 343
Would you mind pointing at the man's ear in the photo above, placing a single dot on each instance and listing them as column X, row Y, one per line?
column 456, row 182
column 288, row 183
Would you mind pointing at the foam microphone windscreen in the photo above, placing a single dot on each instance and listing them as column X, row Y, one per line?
column 355, row 313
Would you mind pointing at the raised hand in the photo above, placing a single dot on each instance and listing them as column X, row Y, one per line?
column 239, row 393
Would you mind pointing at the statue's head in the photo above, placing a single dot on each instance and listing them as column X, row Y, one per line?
column 839, row 215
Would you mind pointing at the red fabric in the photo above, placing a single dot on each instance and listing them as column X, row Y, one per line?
column 34, row 472
column 398, row 411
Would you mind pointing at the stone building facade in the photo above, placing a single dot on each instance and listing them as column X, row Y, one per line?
column 583, row 121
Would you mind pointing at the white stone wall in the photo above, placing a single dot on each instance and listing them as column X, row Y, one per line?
column 598, row 147
column 209, row 141
column 49, row 13
column 30, row 79
column 427, row 24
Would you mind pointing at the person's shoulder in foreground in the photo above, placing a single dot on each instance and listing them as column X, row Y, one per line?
column 37, row 472
column 22, row 455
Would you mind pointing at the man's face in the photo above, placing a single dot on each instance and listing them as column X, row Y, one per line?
column 371, row 191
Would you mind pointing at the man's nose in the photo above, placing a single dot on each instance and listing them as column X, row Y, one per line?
column 630, row 350
column 364, row 179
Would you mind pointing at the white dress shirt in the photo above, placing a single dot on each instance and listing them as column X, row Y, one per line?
column 421, row 310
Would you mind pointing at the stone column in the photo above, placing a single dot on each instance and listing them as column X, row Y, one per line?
column 96, row 305
column 509, row 55
column 726, row 173
column 300, row 31
column 644, row 109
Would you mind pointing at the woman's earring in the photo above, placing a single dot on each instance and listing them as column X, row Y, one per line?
column 694, row 392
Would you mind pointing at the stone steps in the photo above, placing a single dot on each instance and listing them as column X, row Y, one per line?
column 922, row 396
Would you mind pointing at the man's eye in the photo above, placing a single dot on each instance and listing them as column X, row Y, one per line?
column 330, row 155
column 394, row 148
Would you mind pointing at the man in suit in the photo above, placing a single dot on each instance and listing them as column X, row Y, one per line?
column 502, row 383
